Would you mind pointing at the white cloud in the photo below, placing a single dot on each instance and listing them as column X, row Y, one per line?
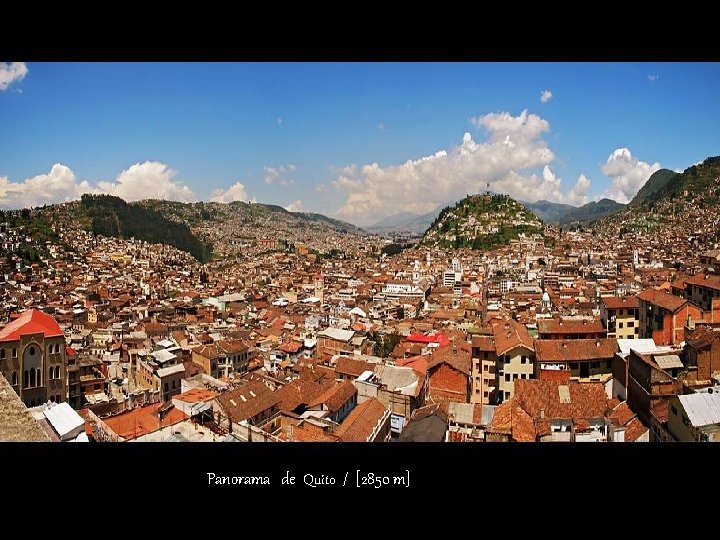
column 321, row 188
column 545, row 96
column 295, row 206
column 514, row 143
column 59, row 185
column 279, row 120
column 276, row 175
column 148, row 180
column 628, row 175
column 578, row 194
column 653, row 77
column 10, row 72
column 236, row 192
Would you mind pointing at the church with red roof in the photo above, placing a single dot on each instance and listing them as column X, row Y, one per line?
column 32, row 358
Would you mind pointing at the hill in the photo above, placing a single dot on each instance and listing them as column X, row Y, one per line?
column 481, row 222
column 549, row 212
column 112, row 216
column 654, row 185
column 666, row 184
column 591, row 211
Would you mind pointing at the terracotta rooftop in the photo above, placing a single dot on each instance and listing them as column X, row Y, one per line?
column 570, row 326
column 352, row 367
column 195, row 395
column 483, row 343
column 297, row 392
column 574, row 350
column 710, row 281
column 619, row 302
column 361, row 422
column 142, row 420
column 510, row 334
column 552, row 399
column 335, row 397
column 247, row 401
column 665, row 300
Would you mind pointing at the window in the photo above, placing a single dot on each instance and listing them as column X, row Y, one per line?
column 32, row 377
column 515, row 376
column 486, row 368
column 507, row 395
column 620, row 325
column 477, row 391
column 485, row 355
column 523, row 359
column 595, row 365
column 26, row 379
column 14, row 378
column 573, row 365
column 608, row 364
column 39, row 376
column 57, row 372
column 631, row 324
column 32, row 351
column 173, row 384
column 2, row 354
column 14, row 352
column 485, row 394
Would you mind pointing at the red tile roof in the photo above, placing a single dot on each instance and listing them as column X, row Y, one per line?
column 667, row 301
column 570, row 326
column 361, row 422
column 574, row 350
column 142, row 420
column 542, row 398
column 31, row 322
column 510, row 334
column 335, row 397
column 352, row 367
column 711, row 281
column 619, row 302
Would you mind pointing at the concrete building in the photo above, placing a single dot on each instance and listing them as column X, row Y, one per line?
column 696, row 417
column 620, row 316
column 663, row 316
column 515, row 353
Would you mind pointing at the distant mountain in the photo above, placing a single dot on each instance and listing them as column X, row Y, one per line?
column 666, row 184
column 591, row 211
column 481, row 222
column 406, row 222
column 549, row 212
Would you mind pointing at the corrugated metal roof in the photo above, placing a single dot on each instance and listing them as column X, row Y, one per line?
column 702, row 409
column 669, row 361
column 63, row 419
column 461, row 412
column 164, row 372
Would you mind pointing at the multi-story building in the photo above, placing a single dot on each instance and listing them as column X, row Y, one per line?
column 484, row 361
column 702, row 289
column 515, row 352
column 620, row 316
column 586, row 359
column 32, row 358
column 663, row 316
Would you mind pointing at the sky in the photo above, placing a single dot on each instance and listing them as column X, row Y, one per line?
column 354, row 141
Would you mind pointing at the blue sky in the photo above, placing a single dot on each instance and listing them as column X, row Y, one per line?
column 357, row 141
